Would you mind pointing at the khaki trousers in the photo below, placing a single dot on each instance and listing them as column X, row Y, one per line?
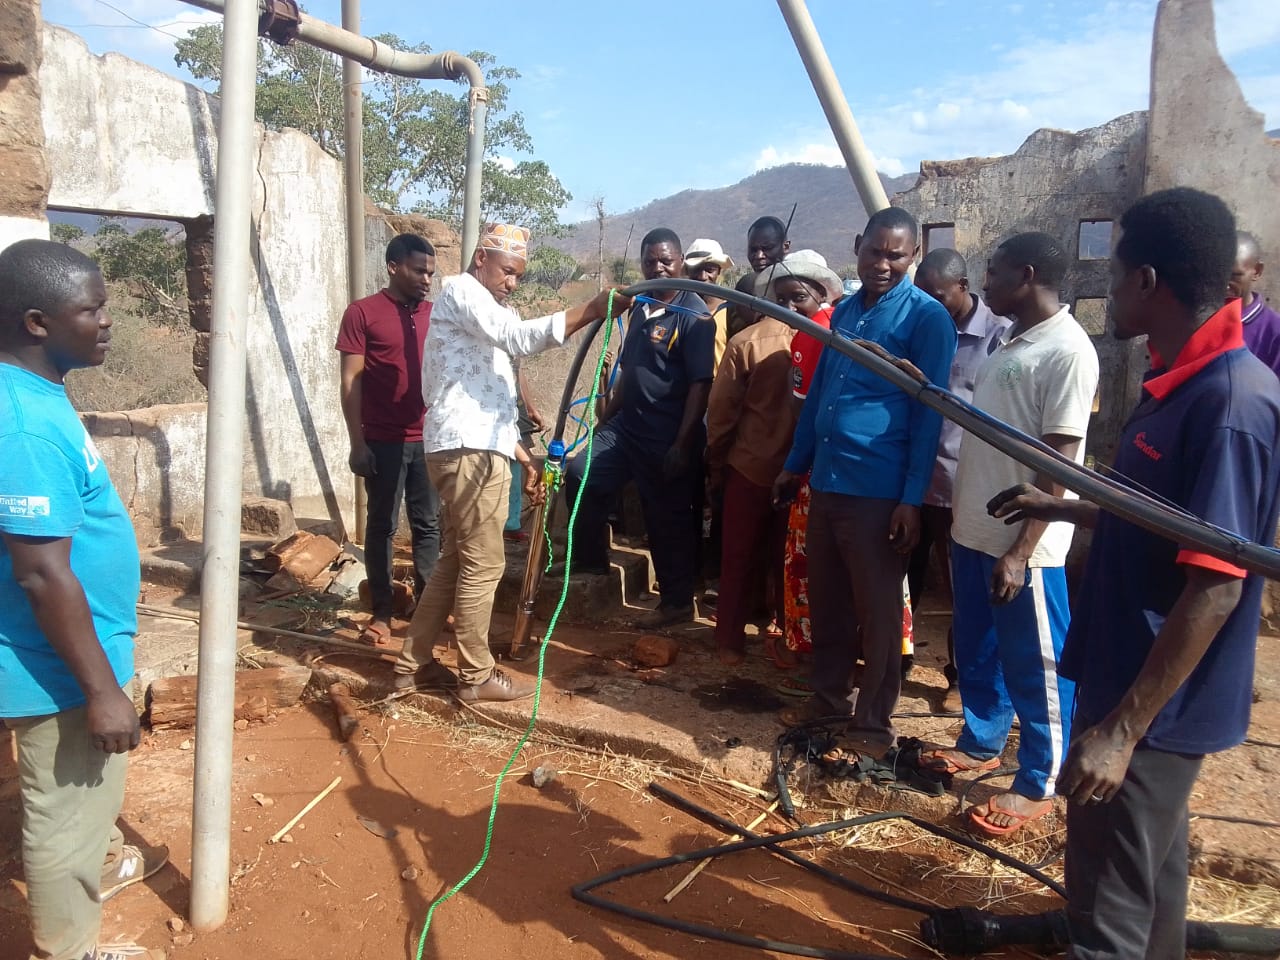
column 474, row 489
column 71, row 796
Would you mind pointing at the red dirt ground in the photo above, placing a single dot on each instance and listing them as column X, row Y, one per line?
column 337, row 890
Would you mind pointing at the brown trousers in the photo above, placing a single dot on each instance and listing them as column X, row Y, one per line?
column 855, row 607
column 474, row 488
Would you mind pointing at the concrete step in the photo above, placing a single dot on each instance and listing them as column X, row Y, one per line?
column 590, row 597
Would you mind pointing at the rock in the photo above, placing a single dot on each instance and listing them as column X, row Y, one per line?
column 185, row 745
column 302, row 558
column 175, row 925
column 653, row 650
column 409, row 873
column 262, row 800
column 287, row 838
column 184, row 939
column 401, row 597
column 241, row 724
column 274, row 518
column 543, row 775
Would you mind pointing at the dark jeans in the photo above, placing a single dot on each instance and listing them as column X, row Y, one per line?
column 401, row 473
column 668, row 508
column 1126, row 863
column 935, row 540
column 855, row 606
column 755, row 534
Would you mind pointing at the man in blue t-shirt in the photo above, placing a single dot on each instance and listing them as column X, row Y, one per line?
column 69, row 579
column 868, row 449
column 1162, row 642
column 653, row 433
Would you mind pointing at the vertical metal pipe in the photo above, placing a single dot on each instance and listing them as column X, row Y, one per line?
column 474, row 170
column 856, row 155
column 353, row 140
column 220, row 578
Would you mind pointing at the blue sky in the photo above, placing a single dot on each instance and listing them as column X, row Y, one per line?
column 633, row 102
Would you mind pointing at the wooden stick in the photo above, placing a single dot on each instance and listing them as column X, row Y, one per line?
column 693, row 874
column 305, row 810
column 174, row 614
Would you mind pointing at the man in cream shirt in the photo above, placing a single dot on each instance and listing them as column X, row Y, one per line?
column 470, row 434
column 1009, row 582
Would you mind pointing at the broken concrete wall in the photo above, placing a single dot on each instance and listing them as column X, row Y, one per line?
column 24, row 175
column 1203, row 133
column 124, row 138
column 1052, row 183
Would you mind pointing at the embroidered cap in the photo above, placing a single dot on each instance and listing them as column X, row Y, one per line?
column 505, row 238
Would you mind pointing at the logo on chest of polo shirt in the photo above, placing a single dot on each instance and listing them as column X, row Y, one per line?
column 1140, row 441
column 658, row 333
column 1010, row 373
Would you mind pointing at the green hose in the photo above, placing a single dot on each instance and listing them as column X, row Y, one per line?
column 542, row 649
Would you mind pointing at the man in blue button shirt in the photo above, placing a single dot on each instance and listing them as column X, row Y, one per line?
column 869, row 451
column 1162, row 642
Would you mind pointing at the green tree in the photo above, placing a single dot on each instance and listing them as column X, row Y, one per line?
column 152, row 260
column 551, row 268
column 67, row 233
column 414, row 133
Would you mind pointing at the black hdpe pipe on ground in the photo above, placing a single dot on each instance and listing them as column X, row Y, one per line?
column 963, row 931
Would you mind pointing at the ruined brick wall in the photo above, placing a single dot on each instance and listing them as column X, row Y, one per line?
column 1052, row 183
column 24, row 174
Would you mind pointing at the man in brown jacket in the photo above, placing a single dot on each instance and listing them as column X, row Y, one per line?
column 750, row 420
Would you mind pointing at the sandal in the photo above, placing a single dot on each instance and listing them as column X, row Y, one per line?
column 794, row 687
column 376, row 634
column 776, row 652
column 980, row 820
column 938, row 761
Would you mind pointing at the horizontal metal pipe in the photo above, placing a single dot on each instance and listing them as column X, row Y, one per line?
column 1133, row 505
column 420, row 66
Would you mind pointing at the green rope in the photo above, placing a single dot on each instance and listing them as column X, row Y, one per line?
column 542, row 650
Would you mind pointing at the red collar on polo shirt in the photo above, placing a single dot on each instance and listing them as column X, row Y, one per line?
column 1220, row 333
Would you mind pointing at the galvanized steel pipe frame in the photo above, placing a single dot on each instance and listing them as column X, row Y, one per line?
column 418, row 66
column 353, row 163
column 1111, row 495
column 224, row 470
column 823, row 77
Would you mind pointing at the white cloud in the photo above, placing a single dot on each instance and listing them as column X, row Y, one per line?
column 145, row 30
column 506, row 163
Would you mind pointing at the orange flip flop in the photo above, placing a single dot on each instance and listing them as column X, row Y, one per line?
column 990, row 829
column 937, row 761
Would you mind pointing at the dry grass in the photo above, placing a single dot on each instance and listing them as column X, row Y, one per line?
column 149, row 363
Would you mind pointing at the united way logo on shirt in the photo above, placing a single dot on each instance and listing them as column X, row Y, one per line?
column 12, row 505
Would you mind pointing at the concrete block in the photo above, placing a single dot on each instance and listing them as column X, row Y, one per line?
column 654, row 650
column 271, row 517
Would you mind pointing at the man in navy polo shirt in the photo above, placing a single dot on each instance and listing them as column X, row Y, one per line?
column 1162, row 642
column 653, row 433
column 869, row 451
column 381, row 340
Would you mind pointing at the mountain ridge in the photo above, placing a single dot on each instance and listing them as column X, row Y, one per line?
column 828, row 214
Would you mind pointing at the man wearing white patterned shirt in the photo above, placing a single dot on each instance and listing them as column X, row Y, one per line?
column 470, row 434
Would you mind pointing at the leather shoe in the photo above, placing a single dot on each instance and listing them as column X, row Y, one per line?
column 499, row 688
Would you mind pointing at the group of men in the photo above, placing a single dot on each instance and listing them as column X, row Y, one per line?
column 1118, row 699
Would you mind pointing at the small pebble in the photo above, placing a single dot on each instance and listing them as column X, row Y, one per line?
column 287, row 838
column 262, row 800
column 248, row 829
column 251, row 758
column 409, row 873
column 184, row 939
column 241, row 724
column 185, row 745
column 176, row 925
column 305, row 914
column 543, row 775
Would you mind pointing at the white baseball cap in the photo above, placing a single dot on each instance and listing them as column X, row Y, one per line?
column 702, row 251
